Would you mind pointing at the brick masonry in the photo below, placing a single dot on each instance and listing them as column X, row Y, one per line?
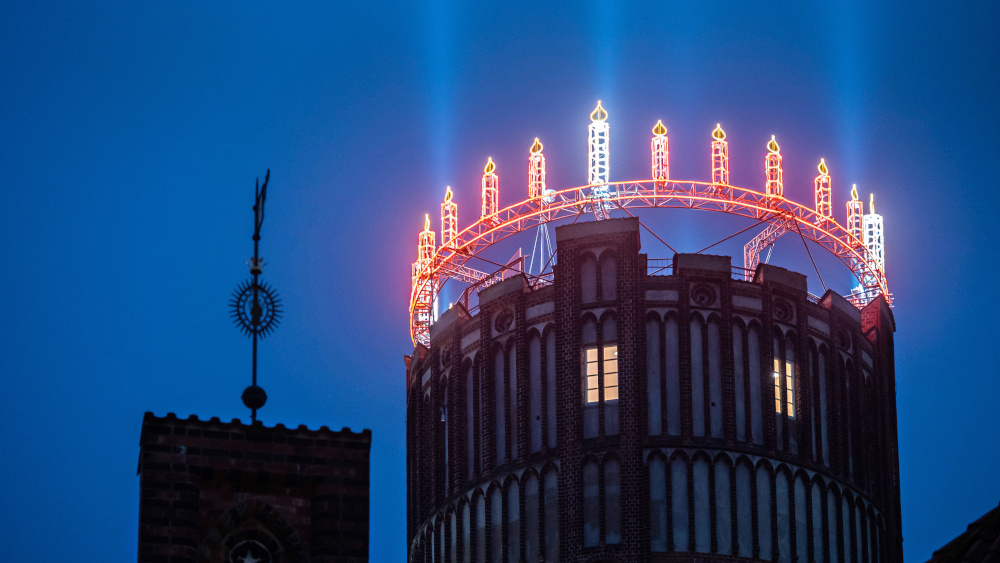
column 210, row 490
column 860, row 474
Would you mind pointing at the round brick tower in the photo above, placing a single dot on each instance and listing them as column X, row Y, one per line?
column 640, row 410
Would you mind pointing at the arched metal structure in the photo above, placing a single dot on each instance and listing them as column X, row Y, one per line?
column 781, row 215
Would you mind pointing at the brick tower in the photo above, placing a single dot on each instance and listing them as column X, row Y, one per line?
column 624, row 414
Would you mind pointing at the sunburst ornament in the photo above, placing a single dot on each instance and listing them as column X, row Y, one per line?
column 256, row 308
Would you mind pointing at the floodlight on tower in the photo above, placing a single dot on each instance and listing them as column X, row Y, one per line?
column 597, row 173
column 449, row 219
column 772, row 169
column 824, row 205
column 491, row 190
column 659, row 148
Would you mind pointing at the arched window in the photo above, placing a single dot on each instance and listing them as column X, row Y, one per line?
column 591, row 504
column 831, row 522
column 532, row 524
column 535, row 390
column 679, row 502
column 466, row 534
column 738, row 383
column 723, row 504
column 551, row 508
column 496, row 525
column 744, row 509
column 817, row 522
column 600, row 377
column 657, row 504
column 480, row 528
column 823, row 424
column 697, row 376
column 653, row 376
column 764, row 512
column 702, row 506
column 672, row 375
column 801, row 523
column 756, row 416
column 513, row 522
column 499, row 407
column 845, row 511
column 550, row 386
column 444, row 438
column 470, row 422
column 453, row 538
column 588, row 279
column 782, row 498
column 714, row 378
column 609, row 277
column 512, row 396
column 612, row 502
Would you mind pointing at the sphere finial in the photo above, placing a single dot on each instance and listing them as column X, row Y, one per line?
column 659, row 130
column 772, row 145
column 718, row 134
column 598, row 114
column 490, row 167
column 822, row 167
column 536, row 147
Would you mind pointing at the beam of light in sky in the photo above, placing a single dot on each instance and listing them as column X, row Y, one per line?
column 439, row 63
column 605, row 25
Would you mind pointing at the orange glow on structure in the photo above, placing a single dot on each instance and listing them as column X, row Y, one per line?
column 855, row 213
column 491, row 190
column 426, row 244
column 536, row 170
column 824, row 194
column 449, row 219
column 659, row 149
column 598, row 114
column 720, row 156
column 772, row 169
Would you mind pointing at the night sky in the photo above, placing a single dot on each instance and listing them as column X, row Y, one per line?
column 131, row 134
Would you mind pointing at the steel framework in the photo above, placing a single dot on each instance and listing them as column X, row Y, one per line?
column 431, row 272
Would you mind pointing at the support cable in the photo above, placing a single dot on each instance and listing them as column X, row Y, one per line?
column 651, row 232
column 741, row 231
column 801, row 236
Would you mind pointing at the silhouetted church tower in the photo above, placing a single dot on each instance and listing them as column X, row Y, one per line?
column 229, row 492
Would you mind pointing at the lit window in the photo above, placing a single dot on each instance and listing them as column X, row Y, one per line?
column 593, row 373
column 777, row 385
column 611, row 373
column 593, row 388
column 790, row 388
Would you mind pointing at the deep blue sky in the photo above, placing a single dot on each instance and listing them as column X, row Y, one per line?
column 131, row 134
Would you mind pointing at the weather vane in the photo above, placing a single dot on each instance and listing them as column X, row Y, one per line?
column 256, row 308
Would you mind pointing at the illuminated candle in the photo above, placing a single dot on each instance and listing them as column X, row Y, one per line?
column 449, row 219
column 536, row 170
column 659, row 149
column 772, row 169
column 873, row 236
column 491, row 190
column 824, row 205
column 426, row 244
column 720, row 156
column 855, row 211
column 598, row 153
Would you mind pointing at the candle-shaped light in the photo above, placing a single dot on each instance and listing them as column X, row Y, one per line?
column 824, row 204
column 873, row 235
column 772, row 169
column 659, row 148
column 426, row 244
column 855, row 211
column 536, row 170
column 598, row 148
column 720, row 156
column 449, row 219
column 491, row 190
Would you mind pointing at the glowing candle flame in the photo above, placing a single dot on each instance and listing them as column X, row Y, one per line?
column 871, row 204
column 659, row 130
column 536, row 147
column 822, row 167
column 772, row 145
column 447, row 195
column 427, row 222
column 490, row 167
column 854, row 192
column 718, row 133
column 598, row 114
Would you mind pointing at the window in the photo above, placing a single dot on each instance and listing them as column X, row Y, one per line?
column 593, row 358
column 788, row 405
